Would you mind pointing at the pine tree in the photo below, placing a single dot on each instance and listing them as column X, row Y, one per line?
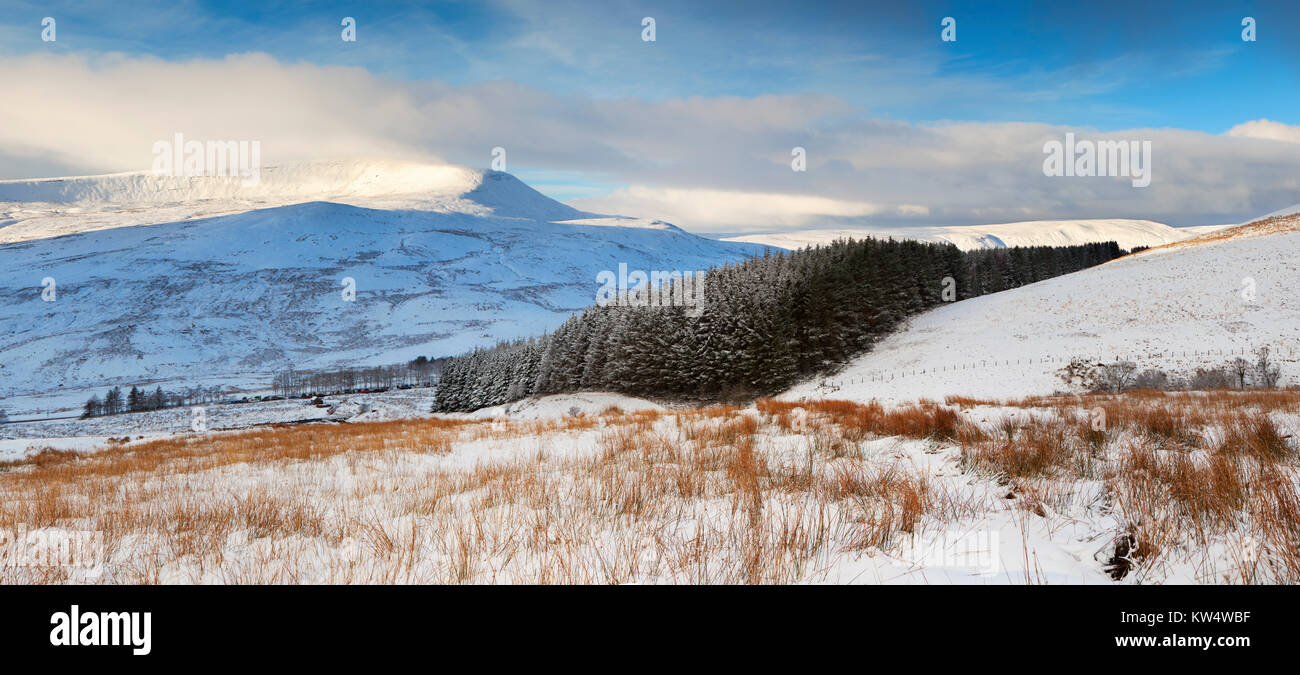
column 113, row 401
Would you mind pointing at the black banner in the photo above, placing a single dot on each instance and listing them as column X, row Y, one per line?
column 931, row 624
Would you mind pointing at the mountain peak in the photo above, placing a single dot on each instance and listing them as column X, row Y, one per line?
column 509, row 197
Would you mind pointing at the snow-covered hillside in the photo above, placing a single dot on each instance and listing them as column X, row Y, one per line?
column 1196, row 303
column 1128, row 233
column 474, row 257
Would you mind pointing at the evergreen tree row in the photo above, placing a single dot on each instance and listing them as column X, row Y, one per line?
column 136, row 400
column 766, row 322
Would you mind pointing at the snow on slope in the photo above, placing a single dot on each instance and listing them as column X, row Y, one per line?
column 230, row 299
column 1161, row 308
column 560, row 405
column 1194, row 231
column 1128, row 233
column 1288, row 211
column 47, row 207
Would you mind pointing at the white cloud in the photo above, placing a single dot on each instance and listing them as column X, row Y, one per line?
column 723, row 209
column 107, row 117
column 1267, row 130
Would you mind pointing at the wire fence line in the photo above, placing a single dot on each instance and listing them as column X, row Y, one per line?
column 1286, row 353
column 41, row 419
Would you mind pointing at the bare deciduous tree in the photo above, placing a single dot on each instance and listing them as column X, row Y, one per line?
column 1240, row 368
column 1266, row 371
column 1119, row 375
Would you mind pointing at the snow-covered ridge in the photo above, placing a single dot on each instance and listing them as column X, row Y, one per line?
column 1279, row 222
column 1128, row 233
column 1288, row 211
column 1178, row 307
column 48, row 207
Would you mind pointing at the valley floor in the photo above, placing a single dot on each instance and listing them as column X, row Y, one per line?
column 21, row 439
column 1144, row 487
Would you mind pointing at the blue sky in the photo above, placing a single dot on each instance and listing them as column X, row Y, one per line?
column 1100, row 66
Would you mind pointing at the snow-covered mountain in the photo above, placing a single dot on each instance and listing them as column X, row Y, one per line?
column 443, row 258
column 1194, row 303
column 1128, row 233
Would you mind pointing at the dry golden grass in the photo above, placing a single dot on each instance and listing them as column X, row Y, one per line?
column 770, row 494
column 1183, row 471
column 1256, row 435
column 858, row 421
column 1264, row 226
column 387, row 502
column 1034, row 448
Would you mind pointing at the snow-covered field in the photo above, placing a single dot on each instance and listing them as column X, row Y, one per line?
column 22, row 439
column 18, row 447
column 818, row 492
column 1127, row 233
column 1192, row 304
